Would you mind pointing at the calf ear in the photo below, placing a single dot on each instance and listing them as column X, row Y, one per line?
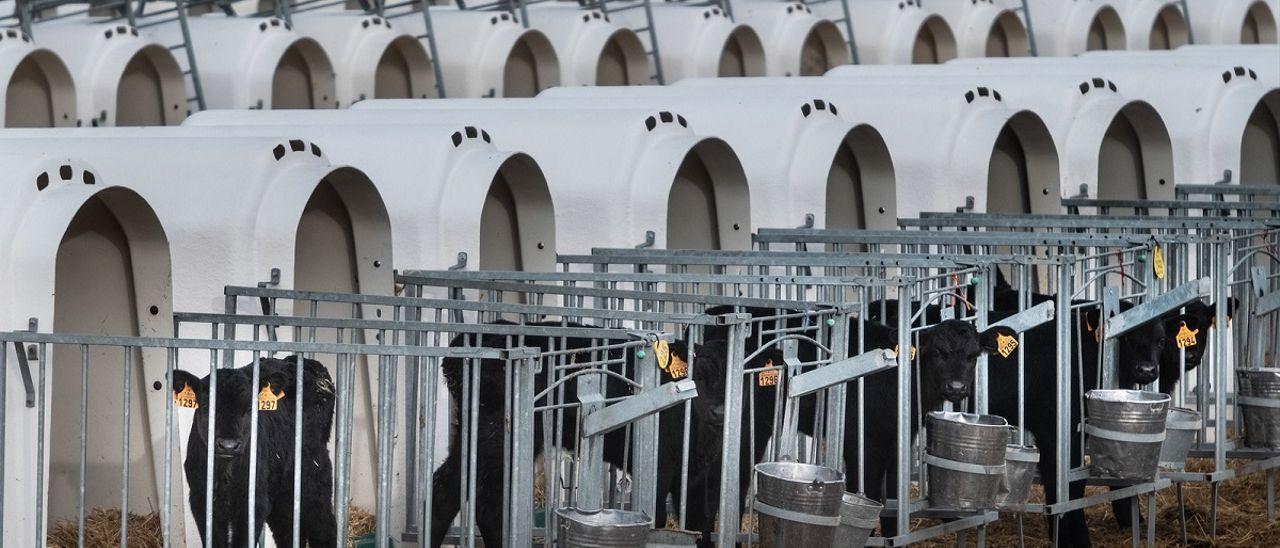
column 182, row 379
column 276, row 380
column 999, row 340
column 1232, row 303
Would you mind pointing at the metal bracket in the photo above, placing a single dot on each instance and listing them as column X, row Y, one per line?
column 267, row 309
column 462, row 262
column 968, row 205
column 650, row 239
column 1226, row 177
column 808, row 221
column 25, row 356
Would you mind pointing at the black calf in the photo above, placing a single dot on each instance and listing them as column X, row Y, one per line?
column 274, row 489
column 492, row 427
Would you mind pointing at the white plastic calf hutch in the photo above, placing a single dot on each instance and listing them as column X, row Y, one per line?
column 1114, row 145
column 985, row 28
column 613, row 174
column 78, row 254
column 371, row 59
column 948, row 142
column 231, row 210
column 123, row 77
column 1153, row 24
column 488, row 53
column 699, row 41
column 593, row 50
column 801, row 156
column 796, row 42
column 1233, row 21
column 895, row 32
column 1068, row 27
column 1264, row 59
column 447, row 188
column 260, row 63
column 39, row 90
column 1220, row 116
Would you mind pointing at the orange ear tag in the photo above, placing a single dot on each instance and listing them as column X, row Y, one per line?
column 767, row 378
column 1006, row 344
column 662, row 353
column 186, row 398
column 268, row 400
column 1186, row 337
column 678, row 368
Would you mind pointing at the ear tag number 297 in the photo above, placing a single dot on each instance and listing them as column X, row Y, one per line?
column 186, row 398
column 268, row 400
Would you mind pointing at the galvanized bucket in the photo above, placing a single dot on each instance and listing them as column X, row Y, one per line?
column 1124, row 432
column 858, row 518
column 1179, row 435
column 798, row 504
column 1258, row 393
column 671, row 538
column 1020, row 462
column 965, row 454
column 603, row 528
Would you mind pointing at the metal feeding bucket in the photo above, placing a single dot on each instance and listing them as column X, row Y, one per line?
column 1179, row 435
column 1258, row 393
column 798, row 504
column 1020, row 462
column 603, row 528
column 671, row 538
column 966, row 458
column 858, row 518
column 1124, row 432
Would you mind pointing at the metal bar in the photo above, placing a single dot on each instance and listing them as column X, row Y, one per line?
column 840, row 372
column 644, row 404
column 1155, row 307
column 1027, row 319
column 124, row 448
column 84, row 443
column 731, row 442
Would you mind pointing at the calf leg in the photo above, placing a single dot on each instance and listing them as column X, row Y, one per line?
column 445, row 492
column 490, row 494
column 319, row 526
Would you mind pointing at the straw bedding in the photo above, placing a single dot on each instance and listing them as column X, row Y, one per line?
column 102, row 529
column 1242, row 518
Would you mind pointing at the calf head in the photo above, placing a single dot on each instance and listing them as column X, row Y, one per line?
column 711, row 370
column 236, row 399
column 1138, row 351
column 1189, row 332
column 948, row 354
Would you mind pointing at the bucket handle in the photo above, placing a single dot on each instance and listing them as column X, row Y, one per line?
column 792, row 515
column 1122, row 436
column 983, row 469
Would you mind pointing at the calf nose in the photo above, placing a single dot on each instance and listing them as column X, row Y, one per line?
column 1148, row 371
column 956, row 387
column 228, row 445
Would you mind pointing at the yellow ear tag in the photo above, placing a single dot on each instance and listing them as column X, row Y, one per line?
column 1186, row 337
column 913, row 351
column 267, row 400
column 1157, row 262
column 767, row 378
column 677, row 368
column 186, row 398
column 662, row 353
column 1006, row 344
